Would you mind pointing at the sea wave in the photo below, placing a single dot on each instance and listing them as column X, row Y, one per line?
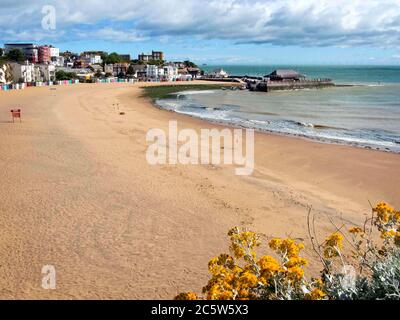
column 228, row 114
column 191, row 92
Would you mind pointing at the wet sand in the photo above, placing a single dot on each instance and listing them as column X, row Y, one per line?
column 77, row 192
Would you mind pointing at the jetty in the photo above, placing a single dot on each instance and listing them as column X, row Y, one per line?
column 281, row 79
column 287, row 80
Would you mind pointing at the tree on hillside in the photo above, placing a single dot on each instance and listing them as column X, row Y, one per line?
column 130, row 71
column 159, row 63
column 190, row 64
column 62, row 75
column 15, row 55
column 112, row 58
column 1, row 52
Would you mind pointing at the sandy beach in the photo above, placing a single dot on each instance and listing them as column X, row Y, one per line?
column 77, row 192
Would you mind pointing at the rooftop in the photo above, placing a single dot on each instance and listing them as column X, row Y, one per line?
column 285, row 74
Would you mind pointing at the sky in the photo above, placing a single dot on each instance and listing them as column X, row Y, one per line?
column 214, row 31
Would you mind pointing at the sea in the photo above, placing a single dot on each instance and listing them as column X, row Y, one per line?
column 364, row 112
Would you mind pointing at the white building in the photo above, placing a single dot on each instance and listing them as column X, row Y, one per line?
column 170, row 73
column 152, row 72
column 23, row 72
column 109, row 68
column 219, row 73
column 47, row 72
column 54, row 52
column 161, row 73
column 58, row 61
column 92, row 59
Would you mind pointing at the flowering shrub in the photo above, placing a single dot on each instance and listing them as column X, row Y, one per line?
column 373, row 274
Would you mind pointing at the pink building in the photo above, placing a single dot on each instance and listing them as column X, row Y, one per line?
column 44, row 54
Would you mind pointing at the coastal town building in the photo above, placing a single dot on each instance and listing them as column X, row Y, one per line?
column 183, row 71
column 96, row 68
column 125, row 57
column 28, row 72
column 88, row 59
column 120, row 69
column 152, row 72
column 54, row 52
column 194, row 72
column 109, row 69
column 117, row 69
column 58, row 61
column 170, row 73
column 219, row 73
column 93, row 53
column 139, row 71
column 155, row 56
column 179, row 65
column 47, row 72
column 23, row 72
column 29, row 50
column 44, row 54
column 34, row 53
column 42, row 62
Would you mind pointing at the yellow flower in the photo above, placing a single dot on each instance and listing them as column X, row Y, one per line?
column 316, row 294
column 275, row 243
column 296, row 261
column 286, row 247
column 356, row 230
column 220, row 264
column 225, row 295
column 186, row 296
column 248, row 279
column 243, row 243
column 268, row 263
column 384, row 212
column 319, row 282
column 388, row 234
column 335, row 240
column 295, row 273
column 333, row 245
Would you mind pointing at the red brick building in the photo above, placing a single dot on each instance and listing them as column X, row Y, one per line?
column 44, row 54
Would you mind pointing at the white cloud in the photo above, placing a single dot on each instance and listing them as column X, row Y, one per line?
column 111, row 35
column 279, row 22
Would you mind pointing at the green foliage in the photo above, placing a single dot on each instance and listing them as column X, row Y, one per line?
column 383, row 284
column 136, row 61
column 62, row 75
column 159, row 63
column 112, row 58
column 190, row 64
column 15, row 55
column 130, row 71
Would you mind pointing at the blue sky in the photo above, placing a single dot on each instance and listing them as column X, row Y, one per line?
column 215, row 32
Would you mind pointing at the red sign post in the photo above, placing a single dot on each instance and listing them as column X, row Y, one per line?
column 16, row 114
